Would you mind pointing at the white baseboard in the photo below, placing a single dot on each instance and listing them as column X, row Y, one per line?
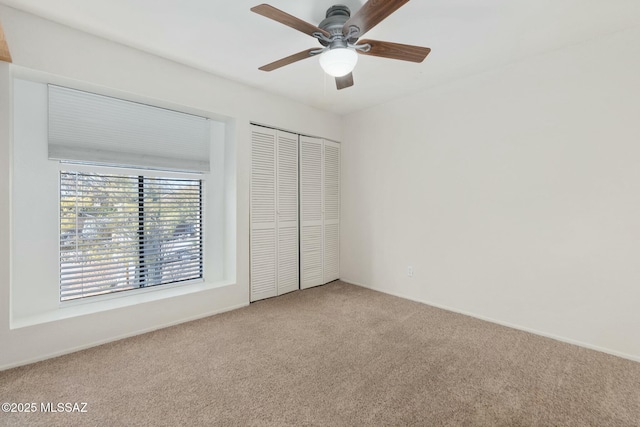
column 119, row 337
column 500, row 322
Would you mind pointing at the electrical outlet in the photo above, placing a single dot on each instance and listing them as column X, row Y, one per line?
column 410, row 271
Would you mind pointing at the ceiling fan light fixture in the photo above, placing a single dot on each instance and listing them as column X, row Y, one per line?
column 339, row 62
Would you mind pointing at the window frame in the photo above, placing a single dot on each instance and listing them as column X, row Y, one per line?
column 34, row 285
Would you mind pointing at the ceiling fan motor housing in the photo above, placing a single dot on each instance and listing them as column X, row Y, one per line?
column 336, row 17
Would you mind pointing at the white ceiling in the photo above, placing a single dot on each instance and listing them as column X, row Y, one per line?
column 225, row 38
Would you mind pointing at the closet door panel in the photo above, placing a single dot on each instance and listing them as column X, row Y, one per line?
column 331, row 229
column 287, row 212
column 263, row 233
column 311, row 219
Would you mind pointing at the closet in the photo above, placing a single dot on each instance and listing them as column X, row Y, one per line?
column 294, row 212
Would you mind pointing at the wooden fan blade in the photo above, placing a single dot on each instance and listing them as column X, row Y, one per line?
column 371, row 14
column 403, row 52
column 288, row 60
column 4, row 48
column 344, row 81
column 286, row 19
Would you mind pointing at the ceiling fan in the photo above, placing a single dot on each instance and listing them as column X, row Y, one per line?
column 339, row 34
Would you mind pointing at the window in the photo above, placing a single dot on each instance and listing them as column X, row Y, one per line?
column 35, row 295
column 121, row 232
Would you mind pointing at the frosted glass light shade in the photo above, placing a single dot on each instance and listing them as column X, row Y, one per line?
column 338, row 62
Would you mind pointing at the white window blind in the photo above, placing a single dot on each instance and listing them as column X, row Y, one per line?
column 120, row 232
column 92, row 128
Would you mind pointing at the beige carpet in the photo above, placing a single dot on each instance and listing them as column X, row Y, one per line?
column 334, row 355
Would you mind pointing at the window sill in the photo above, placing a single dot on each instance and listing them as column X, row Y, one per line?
column 113, row 302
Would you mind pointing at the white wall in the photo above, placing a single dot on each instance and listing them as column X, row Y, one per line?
column 85, row 60
column 515, row 195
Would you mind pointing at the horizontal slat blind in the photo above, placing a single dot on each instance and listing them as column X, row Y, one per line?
column 92, row 128
column 120, row 232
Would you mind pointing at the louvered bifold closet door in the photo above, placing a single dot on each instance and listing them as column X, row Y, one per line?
column 331, row 229
column 263, row 243
column 287, row 212
column 311, row 221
